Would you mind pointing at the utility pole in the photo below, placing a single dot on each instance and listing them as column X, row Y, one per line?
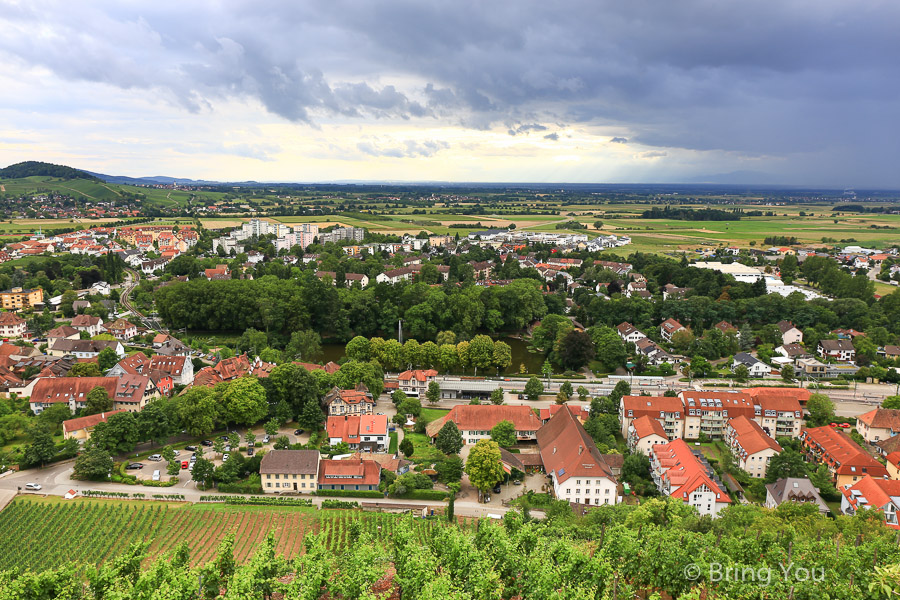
column 400, row 330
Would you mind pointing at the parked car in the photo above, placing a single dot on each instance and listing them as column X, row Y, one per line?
column 227, row 447
column 155, row 457
column 298, row 432
column 225, row 457
column 496, row 489
column 133, row 466
column 184, row 464
column 266, row 439
column 190, row 448
column 193, row 458
column 521, row 396
column 176, row 453
column 250, row 451
column 156, row 475
column 33, row 486
column 207, row 443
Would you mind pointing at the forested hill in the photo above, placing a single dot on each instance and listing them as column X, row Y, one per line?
column 33, row 168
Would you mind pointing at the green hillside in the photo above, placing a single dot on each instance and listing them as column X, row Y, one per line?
column 32, row 168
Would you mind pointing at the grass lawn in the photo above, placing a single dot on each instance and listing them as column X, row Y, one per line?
column 424, row 451
column 430, row 414
column 392, row 447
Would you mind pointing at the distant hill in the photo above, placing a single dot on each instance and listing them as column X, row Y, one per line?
column 32, row 168
column 155, row 180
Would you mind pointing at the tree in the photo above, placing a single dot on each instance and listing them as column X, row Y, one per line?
column 741, row 373
column 398, row 397
column 244, row 401
column 410, row 406
column 891, row 402
column 787, row 373
column 561, row 397
column 406, row 447
column 497, row 396
column 87, row 369
column 449, row 440
column 282, row 442
column 173, row 467
column 93, row 464
column 203, row 472
column 483, row 465
column 621, row 389
column 787, row 464
column 700, row 367
column 434, row 392
column 122, row 432
column 234, row 440
column 821, row 410
column 219, row 446
column 312, row 417
column 450, row 469
column 575, row 350
column 271, row 426
column 197, row 410
column 42, row 449
column 97, row 401
column 153, row 422
column 481, row 352
column 107, row 359
column 250, row 438
column 284, row 413
column 566, row 389
column 534, row 388
column 502, row 356
column 504, row 433
column 359, row 348
column 583, row 393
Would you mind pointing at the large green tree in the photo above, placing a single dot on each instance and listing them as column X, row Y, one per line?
column 483, row 465
column 504, row 433
column 449, row 440
column 97, row 401
column 534, row 388
column 243, row 401
column 93, row 464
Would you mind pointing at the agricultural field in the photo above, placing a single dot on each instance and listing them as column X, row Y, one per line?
column 42, row 533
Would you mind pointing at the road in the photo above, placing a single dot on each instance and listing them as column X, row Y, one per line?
column 132, row 280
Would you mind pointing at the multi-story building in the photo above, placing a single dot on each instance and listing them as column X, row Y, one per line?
column 679, row 473
column 708, row 412
column 349, row 474
column 877, row 494
column 670, row 327
column 750, row 446
column 11, row 325
column 415, row 383
column 343, row 234
column 476, row 421
column 289, row 471
column 794, row 489
column 777, row 410
column 368, row 433
column 350, row 402
column 846, row 461
column 72, row 391
column 121, row 329
column 18, row 298
column 839, row 350
column 669, row 411
column 629, row 333
column 644, row 433
column 578, row 471
column 87, row 323
column 878, row 424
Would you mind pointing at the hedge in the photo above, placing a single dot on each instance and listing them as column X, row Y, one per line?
column 424, row 495
column 339, row 504
column 150, row 483
column 241, row 487
column 350, row 493
column 257, row 500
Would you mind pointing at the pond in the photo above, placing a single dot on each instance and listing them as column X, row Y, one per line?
column 520, row 355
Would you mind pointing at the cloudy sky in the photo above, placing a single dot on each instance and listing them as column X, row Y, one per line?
column 782, row 91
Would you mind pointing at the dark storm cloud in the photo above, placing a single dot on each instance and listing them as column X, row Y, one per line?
column 811, row 83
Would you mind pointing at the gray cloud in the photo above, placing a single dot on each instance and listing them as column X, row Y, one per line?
column 808, row 85
column 552, row 136
column 406, row 149
column 619, row 140
column 526, row 128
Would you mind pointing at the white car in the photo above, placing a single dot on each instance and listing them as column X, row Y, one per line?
column 33, row 486
column 225, row 457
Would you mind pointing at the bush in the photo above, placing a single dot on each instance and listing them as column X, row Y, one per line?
column 350, row 493
column 241, row 487
column 150, row 483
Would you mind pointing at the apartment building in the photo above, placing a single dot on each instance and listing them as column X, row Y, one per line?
column 751, row 447
column 679, row 473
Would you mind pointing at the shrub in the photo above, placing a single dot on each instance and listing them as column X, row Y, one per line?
column 150, row 483
column 339, row 504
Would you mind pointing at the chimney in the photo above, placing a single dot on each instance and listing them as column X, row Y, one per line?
column 580, row 449
column 345, row 417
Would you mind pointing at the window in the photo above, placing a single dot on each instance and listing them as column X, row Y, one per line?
column 277, row 476
column 568, row 491
column 268, row 485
